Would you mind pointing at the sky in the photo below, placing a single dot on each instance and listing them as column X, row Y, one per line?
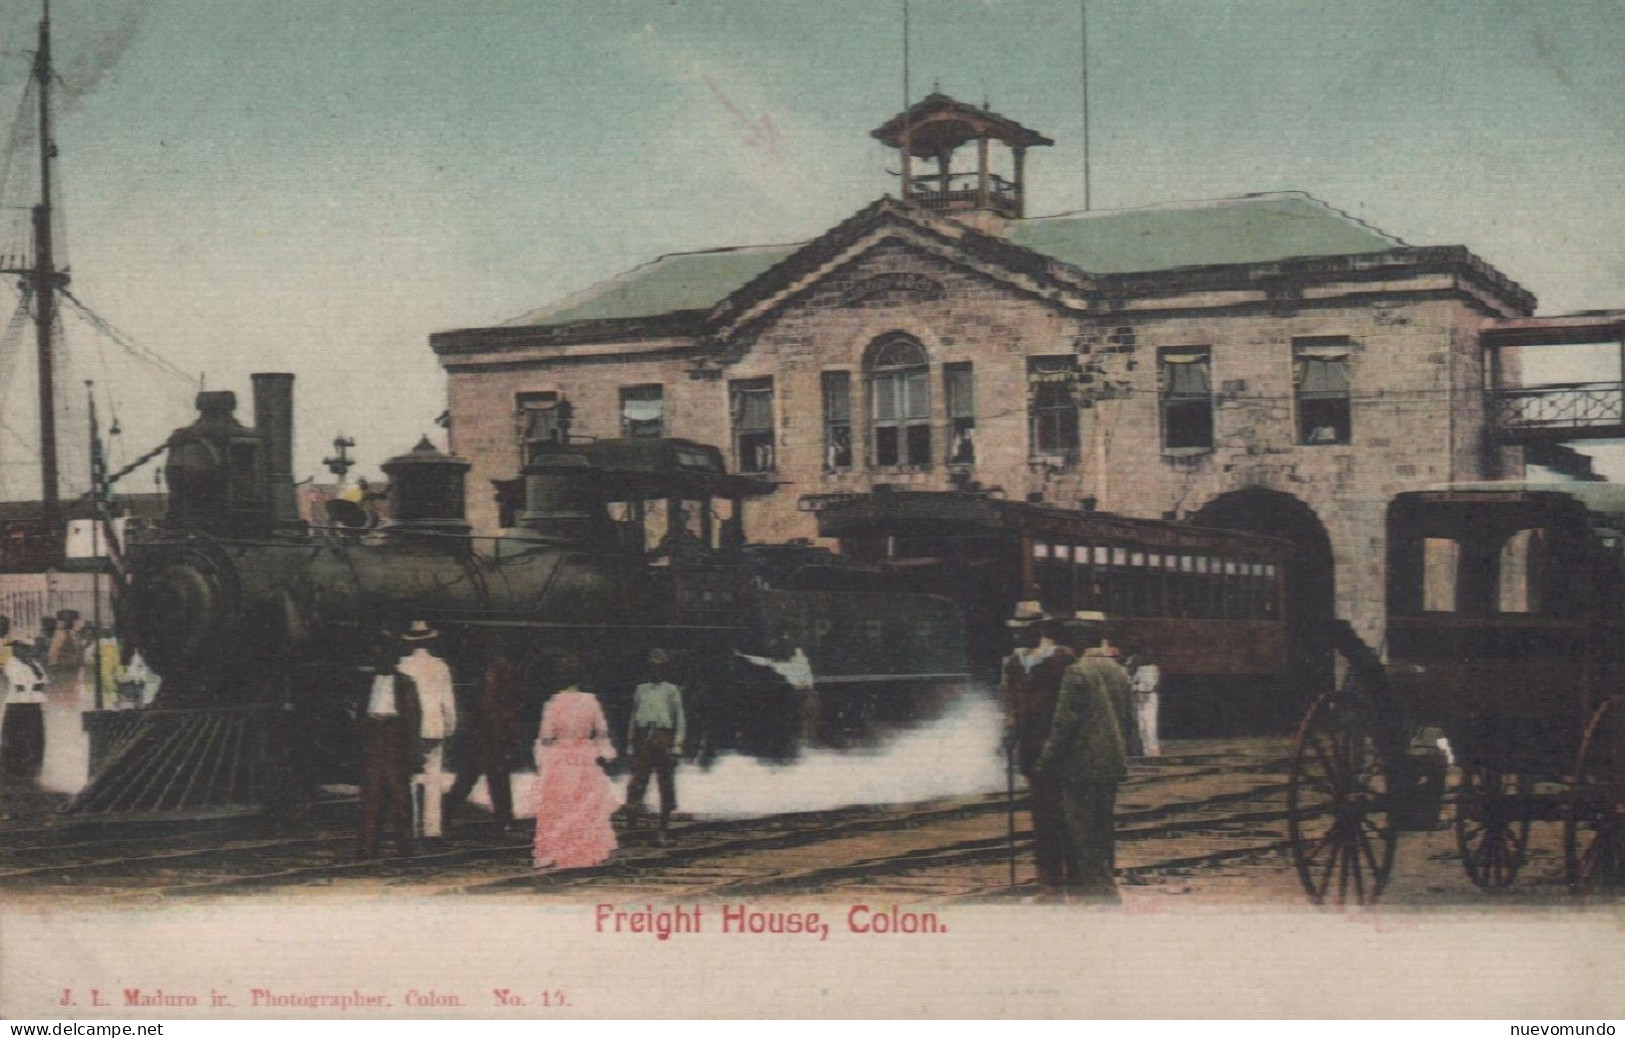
column 316, row 186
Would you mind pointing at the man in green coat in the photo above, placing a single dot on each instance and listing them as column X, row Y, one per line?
column 1084, row 754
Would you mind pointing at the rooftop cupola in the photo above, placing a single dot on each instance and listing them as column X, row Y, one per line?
column 937, row 128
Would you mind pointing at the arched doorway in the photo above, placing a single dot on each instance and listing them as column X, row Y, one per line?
column 1310, row 592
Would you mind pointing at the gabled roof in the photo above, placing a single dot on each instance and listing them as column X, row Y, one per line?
column 675, row 281
column 1250, row 229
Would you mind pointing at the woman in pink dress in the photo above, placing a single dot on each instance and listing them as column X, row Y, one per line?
column 572, row 795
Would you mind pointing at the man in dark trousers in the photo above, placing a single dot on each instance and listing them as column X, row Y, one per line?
column 390, row 754
column 1030, row 678
column 22, row 729
column 1086, row 630
column 489, row 750
column 656, row 737
column 1084, row 756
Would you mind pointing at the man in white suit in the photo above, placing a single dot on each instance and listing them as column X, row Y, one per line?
column 432, row 677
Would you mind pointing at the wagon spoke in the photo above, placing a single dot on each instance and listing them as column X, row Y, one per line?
column 1326, row 764
column 1336, row 848
column 1345, row 862
column 1370, row 855
column 1322, row 844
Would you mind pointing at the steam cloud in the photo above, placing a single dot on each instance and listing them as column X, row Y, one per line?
column 956, row 754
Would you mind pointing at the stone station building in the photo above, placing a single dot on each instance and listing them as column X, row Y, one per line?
column 1264, row 362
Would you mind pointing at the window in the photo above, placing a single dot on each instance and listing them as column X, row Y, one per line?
column 837, row 421
column 959, row 385
column 541, row 418
column 1185, row 384
column 1320, row 380
column 1050, row 404
column 900, row 402
column 1441, row 561
column 751, row 407
column 1491, row 573
column 643, row 412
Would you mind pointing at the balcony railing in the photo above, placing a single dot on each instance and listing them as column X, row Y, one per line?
column 1573, row 410
column 955, row 191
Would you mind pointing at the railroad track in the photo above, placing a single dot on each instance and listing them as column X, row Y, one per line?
column 1185, row 811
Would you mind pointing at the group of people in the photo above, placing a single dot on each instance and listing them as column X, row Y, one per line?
column 411, row 714
column 1074, row 716
column 75, row 667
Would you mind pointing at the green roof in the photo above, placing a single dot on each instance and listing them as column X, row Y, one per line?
column 678, row 281
column 1252, row 229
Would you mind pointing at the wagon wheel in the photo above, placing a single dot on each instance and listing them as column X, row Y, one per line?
column 1339, row 808
column 1492, row 840
column 1594, row 828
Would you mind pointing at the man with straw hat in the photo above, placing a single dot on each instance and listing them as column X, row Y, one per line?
column 432, row 677
column 1030, row 680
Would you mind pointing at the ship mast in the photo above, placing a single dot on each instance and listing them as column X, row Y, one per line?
column 46, row 279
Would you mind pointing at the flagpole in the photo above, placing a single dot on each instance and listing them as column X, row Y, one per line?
column 1083, row 18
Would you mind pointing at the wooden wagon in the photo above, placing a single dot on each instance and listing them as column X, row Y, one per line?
column 1505, row 606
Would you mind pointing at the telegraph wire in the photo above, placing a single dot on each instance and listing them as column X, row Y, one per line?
column 122, row 339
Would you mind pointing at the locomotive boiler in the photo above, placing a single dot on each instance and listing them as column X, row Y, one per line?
column 261, row 624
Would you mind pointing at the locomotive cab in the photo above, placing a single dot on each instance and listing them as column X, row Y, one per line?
column 216, row 471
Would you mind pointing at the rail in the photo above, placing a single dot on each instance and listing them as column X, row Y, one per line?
column 954, row 191
column 1572, row 410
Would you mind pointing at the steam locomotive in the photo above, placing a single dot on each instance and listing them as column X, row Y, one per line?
column 262, row 625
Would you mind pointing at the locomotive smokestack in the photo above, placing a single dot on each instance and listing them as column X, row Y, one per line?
column 426, row 495
column 273, row 419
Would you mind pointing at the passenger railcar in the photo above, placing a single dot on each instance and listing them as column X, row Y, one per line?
column 1209, row 605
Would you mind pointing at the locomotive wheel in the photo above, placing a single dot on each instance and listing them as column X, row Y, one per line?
column 1491, row 839
column 1594, row 829
column 1339, row 808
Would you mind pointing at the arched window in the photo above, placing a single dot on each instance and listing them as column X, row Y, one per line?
column 899, row 402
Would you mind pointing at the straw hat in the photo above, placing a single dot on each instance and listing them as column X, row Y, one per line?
column 1029, row 613
column 1087, row 616
column 420, row 631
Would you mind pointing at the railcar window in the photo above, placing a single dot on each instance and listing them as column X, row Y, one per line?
column 1522, row 576
column 1164, row 593
column 1086, row 578
column 1439, row 565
